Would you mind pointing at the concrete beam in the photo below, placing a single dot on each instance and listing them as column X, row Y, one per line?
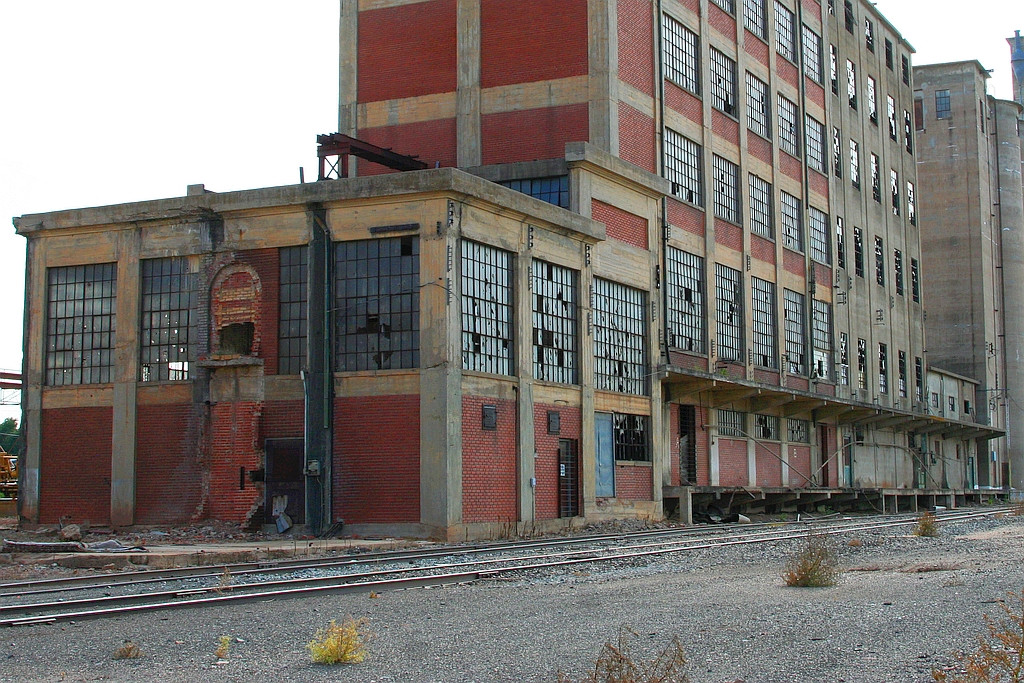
column 763, row 403
column 722, row 398
column 801, row 406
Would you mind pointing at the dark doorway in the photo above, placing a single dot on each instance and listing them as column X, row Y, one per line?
column 568, row 479
column 688, row 445
column 284, row 477
column 824, row 454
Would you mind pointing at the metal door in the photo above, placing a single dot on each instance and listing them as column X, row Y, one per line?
column 605, row 456
column 568, row 479
column 284, row 477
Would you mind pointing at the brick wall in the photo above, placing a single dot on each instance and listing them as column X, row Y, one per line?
column 725, row 127
column 834, row 465
column 799, row 463
column 267, row 264
column 636, row 138
column 723, row 22
column 532, row 134
column 822, row 276
column 793, row 262
column 688, row 361
column 376, row 469
column 759, row 147
column 283, row 420
column 800, row 383
column 546, row 464
column 636, row 53
column 532, row 40
column 235, row 452
column 684, row 102
column 813, row 8
column 387, row 38
column 434, row 142
column 755, row 47
column 620, row 225
column 790, row 165
column 728, row 235
column 769, row 467
column 786, row 70
column 685, row 216
column 703, row 448
column 74, row 477
column 489, row 477
column 732, row 462
column 765, row 376
column 818, row 183
column 762, row 249
column 815, row 92
column 168, row 463
column 633, row 482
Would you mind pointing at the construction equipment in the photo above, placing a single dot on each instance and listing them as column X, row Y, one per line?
column 8, row 474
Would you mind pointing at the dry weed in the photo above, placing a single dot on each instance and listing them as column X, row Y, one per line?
column 129, row 650
column 617, row 663
column 343, row 643
column 223, row 646
column 1000, row 654
column 814, row 565
column 927, row 525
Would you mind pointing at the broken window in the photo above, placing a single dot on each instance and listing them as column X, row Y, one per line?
column 755, row 19
column 844, row 359
column 80, row 323
column 891, row 107
column 686, row 308
column 377, row 304
column 903, row 373
column 858, row 252
column 291, row 328
column 911, row 204
column 723, row 82
column 821, row 246
column 765, row 328
column 918, row 378
column 766, row 427
column 731, row 423
column 894, row 189
column 851, row 83
column 785, row 31
column 630, row 437
column 862, row 363
column 840, row 242
column 869, row 35
column 872, row 101
column 487, row 313
column 684, row 167
column 789, row 132
column 876, row 179
column 883, row 368
column 915, row 280
column 812, row 54
column 620, row 338
column 726, row 189
column 167, row 323
column 796, row 332
column 908, row 131
column 729, row 313
column 897, row 260
column 855, row 164
column 879, row 261
column 555, row 323
column 821, row 330
column 798, row 431
column 837, row 153
column 833, row 68
column 761, row 216
column 792, row 223
column 815, row 134
column 759, row 111
column 682, row 55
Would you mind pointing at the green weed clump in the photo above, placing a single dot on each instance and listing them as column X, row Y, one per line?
column 1000, row 654
column 617, row 663
column 223, row 647
column 927, row 525
column 343, row 643
column 815, row 565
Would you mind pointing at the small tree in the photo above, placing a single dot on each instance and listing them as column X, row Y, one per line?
column 9, row 439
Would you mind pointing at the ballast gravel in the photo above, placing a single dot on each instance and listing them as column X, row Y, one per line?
column 903, row 606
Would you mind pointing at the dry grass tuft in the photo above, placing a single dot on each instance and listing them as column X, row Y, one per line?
column 129, row 650
column 343, row 643
column 1000, row 654
column 855, row 543
column 617, row 663
column 815, row 565
column 927, row 525
column 223, row 647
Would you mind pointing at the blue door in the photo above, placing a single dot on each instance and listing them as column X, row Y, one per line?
column 605, row 456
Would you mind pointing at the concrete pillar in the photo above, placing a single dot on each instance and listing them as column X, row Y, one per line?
column 348, row 73
column 603, row 54
column 126, row 373
column 467, row 97
column 33, row 378
column 526, row 441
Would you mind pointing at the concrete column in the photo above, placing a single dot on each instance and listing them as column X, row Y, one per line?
column 348, row 73
column 33, row 378
column 603, row 54
column 126, row 372
column 526, row 446
column 713, row 461
column 467, row 97
column 751, row 462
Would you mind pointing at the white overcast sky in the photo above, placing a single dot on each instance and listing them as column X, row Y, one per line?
column 110, row 101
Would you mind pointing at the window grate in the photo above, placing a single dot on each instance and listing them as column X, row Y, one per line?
column 792, row 223
column 487, row 311
column 765, row 329
column 726, row 189
column 682, row 55
column 729, row 313
column 167, row 325
column 620, row 339
column 81, row 322
column 798, row 431
column 758, row 107
column 723, row 82
column 796, row 332
column 630, row 437
column 686, row 300
column 731, row 423
column 761, row 214
column 683, row 167
column 291, row 327
column 766, row 427
column 555, row 323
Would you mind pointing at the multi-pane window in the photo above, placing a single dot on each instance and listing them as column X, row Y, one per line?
column 849, row 19
column 620, row 362
column 758, row 107
column 869, row 34
column 897, row 264
column 726, row 189
column 789, row 132
column 683, row 167
column 630, row 437
column 761, row 213
column 796, row 333
column 785, row 32
column 858, row 252
column 872, row 101
column 765, row 329
column 902, row 382
column 728, row 5
column 729, row 313
column 883, row 368
column 911, row 204
column 812, row 54
column 731, row 423
column 555, row 323
column 905, row 69
column 291, row 328
column 798, row 431
column 908, row 131
column 844, row 359
column 851, row 83
column 80, row 324
column 891, row 106
column 682, row 55
column 167, row 325
column 876, row 179
column 821, row 331
column 377, row 301
column 686, row 307
column 487, row 311
column 755, row 18
column 766, row 427
column 815, row 133
column 918, row 378
column 942, row 110
column 723, row 82
column 862, row 363
column 817, row 231
column 792, row 223
column 840, row 242
column 837, row 153
column 550, row 189
column 894, row 189
column 888, row 54
column 833, row 68
column 855, row 164
column 915, row 280
column 879, row 261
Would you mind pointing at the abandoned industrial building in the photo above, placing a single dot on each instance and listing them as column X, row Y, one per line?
column 564, row 259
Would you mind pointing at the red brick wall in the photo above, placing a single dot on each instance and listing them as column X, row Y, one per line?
column 683, row 102
column 755, row 47
column 790, row 165
column 813, row 7
column 815, row 93
column 786, row 70
column 692, row 5
column 799, row 463
column 620, row 225
column 826, row 389
column 546, row 463
column 725, row 127
column 433, row 142
column 769, row 467
column 759, row 147
column 283, row 420
column 685, row 216
column 74, row 476
column 801, row 383
column 732, row 462
column 728, row 234
column 636, row 137
column 688, row 361
column 168, row 463
column 636, row 44
column 723, row 22
column 703, row 448
column 234, row 445
column 376, row 468
column 762, row 249
column 822, row 275
column 387, row 38
column 765, row 376
column 489, row 477
column 532, row 134
column 633, row 482
column 835, row 463
column 818, row 183
column 267, row 264
column 530, row 40
column 793, row 262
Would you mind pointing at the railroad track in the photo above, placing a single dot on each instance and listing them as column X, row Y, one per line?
column 390, row 571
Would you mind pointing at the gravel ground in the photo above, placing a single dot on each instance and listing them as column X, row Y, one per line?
column 904, row 604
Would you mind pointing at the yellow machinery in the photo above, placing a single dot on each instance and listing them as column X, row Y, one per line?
column 8, row 474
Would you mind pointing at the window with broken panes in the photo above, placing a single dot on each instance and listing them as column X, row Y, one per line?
column 840, row 242
column 869, row 35
column 80, row 323
column 812, row 54
column 902, row 373
column 798, row 431
column 911, row 204
column 785, row 32
column 821, row 332
column 905, row 69
column 765, row 330
column 487, row 309
column 908, row 131
column 291, row 331
column 897, row 262
column 728, row 5
column 844, row 359
column 888, row 54
column 833, row 68
column 891, row 104
column 858, row 252
column 883, row 368
column 682, row 55
column 879, row 261
column 792, row 223
column 731, row 423
column 726, row 189
column 818, row 232
column 837, row 153
column 815, row 133
column 918, row 378
column 851, row 83
column 729, row 313
column 723, row 82
column 862, row 363
column 377, row 303
column 796, row 334
column 686, row 302
column 620, row 362
column 761, row 213
column 872, row 101
column 894, row 190
column 759, row 112
column 683, row 167
column 876, row 179
column 755, row 19
column 848, row 17
column 555, row 323
column 550, row 189
column 789, row 131
column 766, row 427
column 630, row 437
column 854, row 164
column 915, row 280
column 167, row 326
